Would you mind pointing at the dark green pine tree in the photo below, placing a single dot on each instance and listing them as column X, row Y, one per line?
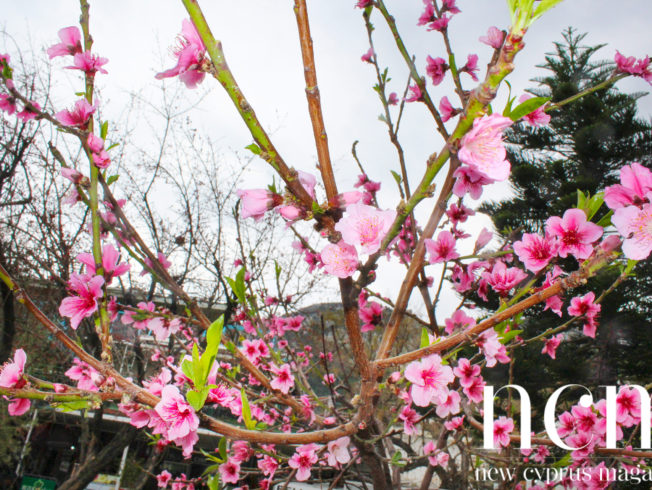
column 583, row 147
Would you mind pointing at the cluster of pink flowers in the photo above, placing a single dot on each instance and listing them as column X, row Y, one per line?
column 437, row 22
column 8, row 101
column 190, row 54
column 629, row 64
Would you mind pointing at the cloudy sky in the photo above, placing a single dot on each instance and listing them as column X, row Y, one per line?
column 261, row 44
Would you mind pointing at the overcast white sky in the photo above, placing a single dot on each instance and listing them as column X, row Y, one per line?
column 261, row 44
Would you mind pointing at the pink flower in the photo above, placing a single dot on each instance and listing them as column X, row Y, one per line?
column 471, row 66
column 466, row 372
column 338, row 452
column 449, row 6
column 429, row 379
column 470, row 180
column 428, row 15
column 308, row 181
column 340, row 260
column 8, row 103
column 459, row 321
column 268, row 465
column 160, row 258
column 78, row 117
column 584, row 306
column 550, row 347
column 439, row 24
column 283, row 379
column 449, row 405
column 302, row 460
column 435, row 456
column 163, row 478
column 256, row 202
column 87, row 377
column 446, row 109
column 392, row 99
column 27, row 114
column 502, row 279
column 482, row 147
column 635, row 225
column 86, row 290
column 535, row 251
column 492, row 349
column 494, row 38
column 635, row 184
column 538, row 117
column 574, row 234
column 503, row 427
column 365, row 226
column 190, row 57
column 368, row 56
column 89, row 63
column 364, row 3
column 409, row 416
column 176, row 412
column 414, row 95
column 70, row 43
column 454, row 423
column 371, row 314
column 442, row 249
column 639, row 68
column 110, row 263
column 436, row 69
column 230, row 471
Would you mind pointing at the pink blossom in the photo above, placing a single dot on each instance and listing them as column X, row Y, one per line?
column 466, row 372
column 471, row 66
column 256, row 202
column 78, row 117
column 635, row 184
column 268, row 465
column 291, row 212
column 551, row 344
column 435, row 456
column 415, row 94
column 163, row 478
column 409, row 416
column 538, row 117
column 176, row 412
column 429, row 379
column 8, row 103
column 454, row 423
column 554, row 303
column 392, row 99
column 459, row 321
column 230, row 471
column 449, row 405
column 70, row 43
column 283, row 379
column 639, row 68
column 302, row 461
column 494, row 38
column 368, row 56
column 365, row 226
column 440, row 24
column 493, row 350
column 535, row 251
column 364, row 3
column 442, row 249
column 29, row 113
column 88, row 63
column 574, row 234
column 428, row 15
column 470, row 180
column 503, row 427
column 110, row 263
column 484, row 237
column 371, row 315
column 436, row 69
column 446, row 109
column 140, row 319
column 11, row 374
column 87, row 377
column 190, row 57
column 482, row 147
column 100, row 156
column 340, row 260
column 585, row 306
column 338, row 452
column 86, row 291
column 502, row 279
column 635, row 225
column 162, row 262
column 475, row 390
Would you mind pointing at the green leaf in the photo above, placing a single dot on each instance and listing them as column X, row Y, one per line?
column 606, row 219
column 186, row 367
column 581, row 199
column 594, row 204
column 230, row 346
column 527, row 106
column 77, row 405
column 277, row 270
column 397, row 177
column 197, row 398
column 544, row 6
column 396, row 459
column 80, row 94
column 254, row 148
column 425, row 340
column 104, row 129
column 112, row 179
column 213, row 483
column 238, row 285
column 246, row 411
column 507, row 336
column 213, row 339
column 565, row 461
column 221, row 447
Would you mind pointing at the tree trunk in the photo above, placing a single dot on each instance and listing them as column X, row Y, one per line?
column 95, row 461
column 379, row 471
